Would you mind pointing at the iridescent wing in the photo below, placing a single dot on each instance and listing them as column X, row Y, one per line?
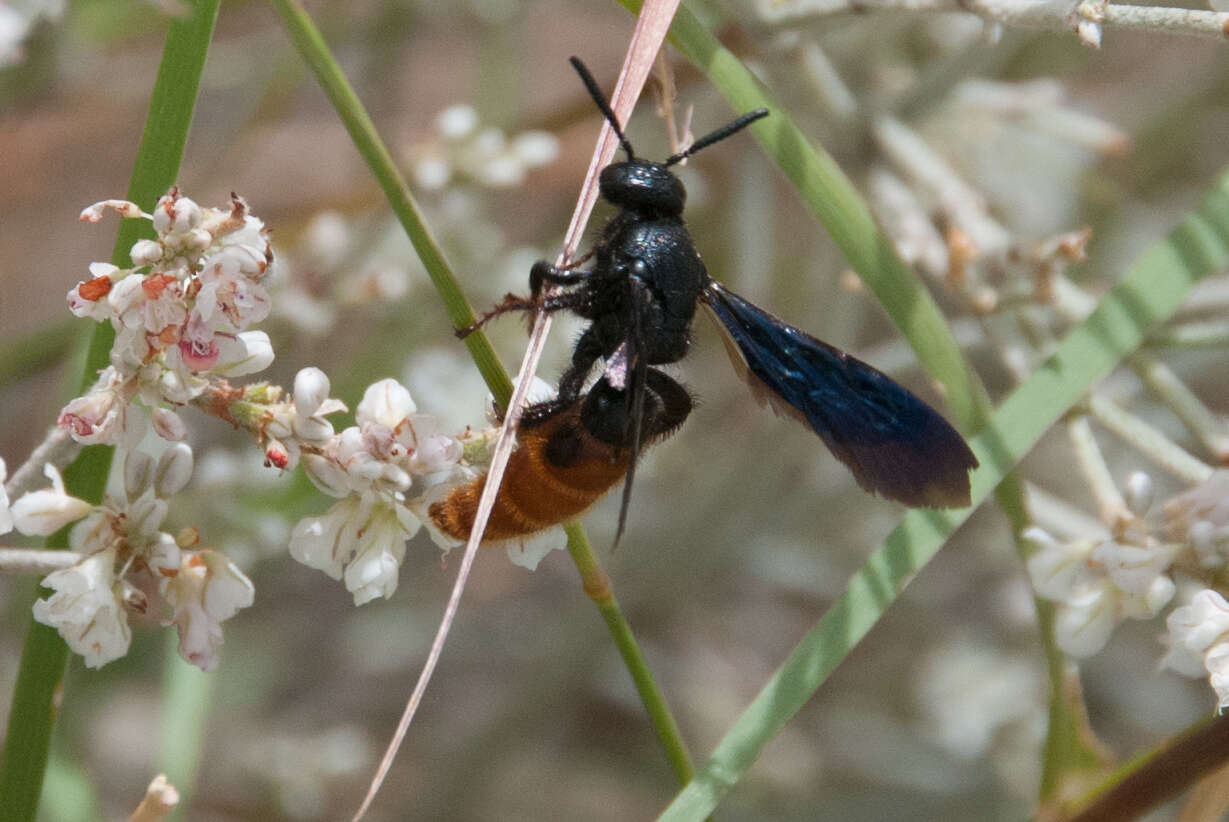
column 894, row 443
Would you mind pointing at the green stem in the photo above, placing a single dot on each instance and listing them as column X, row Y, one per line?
column 31, row 716
column 597, row 587
column 315, row 53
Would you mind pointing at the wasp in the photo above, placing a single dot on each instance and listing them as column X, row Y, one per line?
column 566, row 459
column 640, row 296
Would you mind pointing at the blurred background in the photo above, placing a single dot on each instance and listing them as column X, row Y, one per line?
column 742, row 527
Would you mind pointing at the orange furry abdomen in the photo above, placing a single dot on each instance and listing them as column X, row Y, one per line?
column 537, row 492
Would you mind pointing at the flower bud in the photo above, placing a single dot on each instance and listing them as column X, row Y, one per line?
column 174, row 470
column 145, row 252
column 169, row 425
column 311, row 388
column 1139, row 493
column 42, row 513
column 138, row 473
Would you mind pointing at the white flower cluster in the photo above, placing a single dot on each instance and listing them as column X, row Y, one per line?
column 1098, row 582
column 369, row 467
column 179, row 314
column 486, row 156
column 128, row 564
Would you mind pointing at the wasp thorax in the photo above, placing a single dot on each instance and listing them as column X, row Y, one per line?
column 643, row 187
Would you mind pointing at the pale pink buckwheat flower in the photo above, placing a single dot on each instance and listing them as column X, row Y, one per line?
column 370, row 467
column 130, row 564
column 1198, row 639
column 180, row 314
column 1097, row 582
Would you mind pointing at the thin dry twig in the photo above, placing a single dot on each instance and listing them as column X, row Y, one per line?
column 1076, row 16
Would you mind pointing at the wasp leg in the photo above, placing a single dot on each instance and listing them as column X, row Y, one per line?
column 584, row 355
column 544, row 272
column 570, row 301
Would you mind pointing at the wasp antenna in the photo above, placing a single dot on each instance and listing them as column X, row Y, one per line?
column 718, row 135
column 602, row 103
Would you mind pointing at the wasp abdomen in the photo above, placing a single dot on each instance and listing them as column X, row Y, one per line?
column 566, row 462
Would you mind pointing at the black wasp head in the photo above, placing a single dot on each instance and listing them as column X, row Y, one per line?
column 645, row 188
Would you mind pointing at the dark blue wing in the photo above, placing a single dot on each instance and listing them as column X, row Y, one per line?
column 893, row 442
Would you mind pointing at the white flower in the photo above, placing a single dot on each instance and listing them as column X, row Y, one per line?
column 89, row 298
column 318, row 542
column 1201, row 516
column 1055, row 567
column 379, row 551
column 207, row 590
column 311, row 389
column 1193, row 629
column 99, row 417
column 241, row 354
column 529, row 551
column 365, row 535
column 1133, row 568
column 42, row 513
column 435, row 452
column 1199, row 641
column 88, row 609
column 536, row 148
column 456, row 122
column 387, row 402
column 1086, row 618
column 6, row 515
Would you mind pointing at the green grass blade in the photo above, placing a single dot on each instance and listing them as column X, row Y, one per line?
column 31, row 715
column 310, row 45
column 830, row 196
column 1151, row 292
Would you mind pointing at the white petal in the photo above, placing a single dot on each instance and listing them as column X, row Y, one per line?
column 1131, row 567
column 435, row 453
column 207, row 590
column 169, row 425
column 528, row 552
column 1085, row 620
column 326, row 475
column 311, row 389
column 42, row 513
column 6, row 516
column 1217, row 662
column 245, row 353
column 326, row 542
column 387, row 402
column 86, row 609
column 373, row 571
column 174, row 470
column 138, row 473
column 1055, row 568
